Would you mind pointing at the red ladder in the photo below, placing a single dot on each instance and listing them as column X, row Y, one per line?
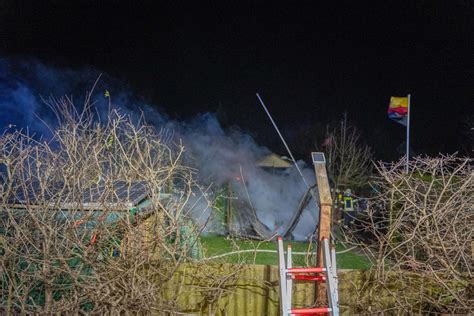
column 326, row 274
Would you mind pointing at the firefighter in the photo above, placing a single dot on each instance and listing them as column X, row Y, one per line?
column 339, row 206
column 348, row 207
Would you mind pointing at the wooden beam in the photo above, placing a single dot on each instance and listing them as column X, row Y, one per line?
column 325, row 205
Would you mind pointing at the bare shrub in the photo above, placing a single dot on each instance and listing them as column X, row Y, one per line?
column 94, row 220
column 418, row 233
column 349, row 160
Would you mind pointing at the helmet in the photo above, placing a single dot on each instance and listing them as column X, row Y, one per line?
column 348, row 192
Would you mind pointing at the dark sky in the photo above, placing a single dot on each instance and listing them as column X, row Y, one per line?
column 310, row 62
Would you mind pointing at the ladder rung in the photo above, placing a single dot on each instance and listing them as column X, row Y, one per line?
column 309, row 277
column 306, row 270
column 314, row 310
column 326, row 273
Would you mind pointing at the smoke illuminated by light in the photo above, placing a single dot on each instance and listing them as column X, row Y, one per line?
column 219, row 156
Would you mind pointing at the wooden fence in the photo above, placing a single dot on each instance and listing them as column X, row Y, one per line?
column 253, row 292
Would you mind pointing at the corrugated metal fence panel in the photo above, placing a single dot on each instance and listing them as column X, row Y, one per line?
column 255, row 292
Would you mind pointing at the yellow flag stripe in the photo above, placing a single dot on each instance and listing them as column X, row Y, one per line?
column 398, row 102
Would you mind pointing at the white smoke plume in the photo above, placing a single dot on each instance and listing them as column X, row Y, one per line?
column 219, row 156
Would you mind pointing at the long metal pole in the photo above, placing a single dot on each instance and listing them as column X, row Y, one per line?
column 284, row 143
column 408, row 134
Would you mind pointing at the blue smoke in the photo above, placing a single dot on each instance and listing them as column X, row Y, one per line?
column 26, row 85
column 18, row 103
column 219, row 156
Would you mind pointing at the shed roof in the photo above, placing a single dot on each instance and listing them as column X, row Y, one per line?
column 274, row 161
column 119, row 195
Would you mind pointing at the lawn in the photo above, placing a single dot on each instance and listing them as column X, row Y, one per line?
column 218, row 245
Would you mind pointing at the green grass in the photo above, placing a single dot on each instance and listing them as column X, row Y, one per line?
column 217, row 245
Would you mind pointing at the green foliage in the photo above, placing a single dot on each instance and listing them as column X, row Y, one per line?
column 220, row 205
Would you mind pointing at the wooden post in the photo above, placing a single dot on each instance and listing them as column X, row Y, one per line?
column 228, row 211
column 325, row 205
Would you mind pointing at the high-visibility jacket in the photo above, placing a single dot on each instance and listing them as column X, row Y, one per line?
column 348, row 204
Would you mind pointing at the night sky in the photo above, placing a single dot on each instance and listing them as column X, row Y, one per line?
column 310, row 62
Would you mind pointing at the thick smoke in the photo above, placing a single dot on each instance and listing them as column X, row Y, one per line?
column 222, row 157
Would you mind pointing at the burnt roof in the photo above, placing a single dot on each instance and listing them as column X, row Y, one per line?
column 119, row 195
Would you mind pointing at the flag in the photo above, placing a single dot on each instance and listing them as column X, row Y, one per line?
column 398, row 110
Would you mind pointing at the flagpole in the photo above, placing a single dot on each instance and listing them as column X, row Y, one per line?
column 408, row 134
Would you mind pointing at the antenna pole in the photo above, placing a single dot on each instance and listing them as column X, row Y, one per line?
column 284, row 142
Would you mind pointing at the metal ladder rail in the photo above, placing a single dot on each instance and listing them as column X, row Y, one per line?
column 282, row 272
column 288, row 274
column 329, row 254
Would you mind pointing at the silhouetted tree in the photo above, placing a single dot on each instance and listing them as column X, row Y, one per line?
column 349, row 159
